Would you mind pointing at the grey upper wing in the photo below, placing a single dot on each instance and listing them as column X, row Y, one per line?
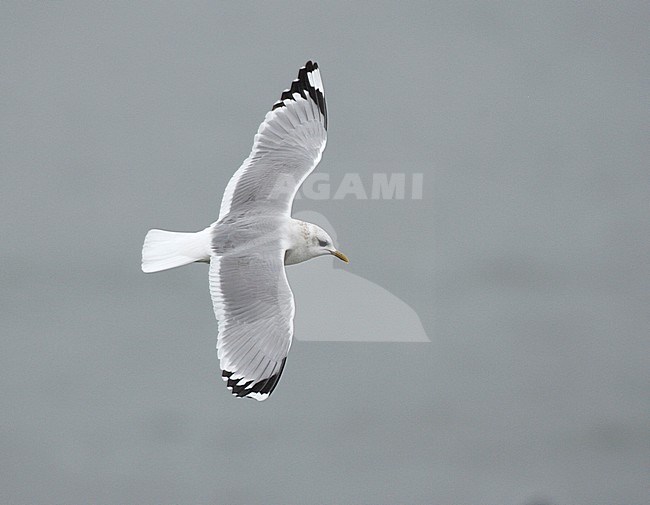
column 254, row 306
column 287, row 147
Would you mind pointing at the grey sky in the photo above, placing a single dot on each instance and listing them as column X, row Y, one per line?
column 526, row 259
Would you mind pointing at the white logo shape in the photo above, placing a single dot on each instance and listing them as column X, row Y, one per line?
column 333, row 304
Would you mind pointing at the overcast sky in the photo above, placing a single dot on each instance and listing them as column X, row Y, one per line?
column 525, row 262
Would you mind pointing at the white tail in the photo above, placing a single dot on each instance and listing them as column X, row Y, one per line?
column 169, row 249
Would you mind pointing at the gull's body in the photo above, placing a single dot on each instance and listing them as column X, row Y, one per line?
column 255, row 237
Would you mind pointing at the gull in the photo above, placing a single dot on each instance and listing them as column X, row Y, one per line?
column 253, row 239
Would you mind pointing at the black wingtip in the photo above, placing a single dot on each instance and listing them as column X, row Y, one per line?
column 304, row 88
column 263, row 387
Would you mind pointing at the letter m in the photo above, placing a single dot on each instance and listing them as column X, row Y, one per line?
column 385, row 188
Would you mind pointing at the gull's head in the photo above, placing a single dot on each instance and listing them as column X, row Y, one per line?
column 322, row 244
column 311, row 241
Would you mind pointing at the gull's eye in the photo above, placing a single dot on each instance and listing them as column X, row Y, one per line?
column 322, row 243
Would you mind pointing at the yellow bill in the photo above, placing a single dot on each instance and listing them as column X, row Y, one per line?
column 341, row 256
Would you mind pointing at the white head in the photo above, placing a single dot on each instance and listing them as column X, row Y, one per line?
column 310, row 241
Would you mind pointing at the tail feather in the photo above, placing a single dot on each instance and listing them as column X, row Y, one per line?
column 163, row 250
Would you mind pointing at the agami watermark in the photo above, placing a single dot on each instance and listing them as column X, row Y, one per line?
column 381, row 186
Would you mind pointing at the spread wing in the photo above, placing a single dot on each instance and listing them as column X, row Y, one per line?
column 254, row 306
column 288, row 146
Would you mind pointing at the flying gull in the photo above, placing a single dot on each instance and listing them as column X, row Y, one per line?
column 255, row 237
